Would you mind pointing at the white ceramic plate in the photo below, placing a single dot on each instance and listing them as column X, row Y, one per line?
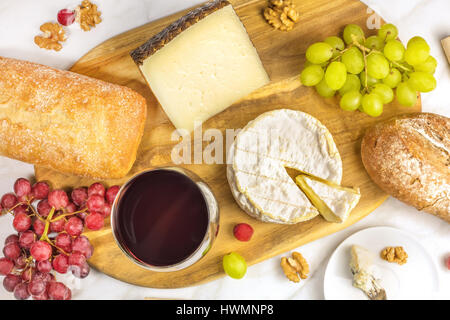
column 417, row 279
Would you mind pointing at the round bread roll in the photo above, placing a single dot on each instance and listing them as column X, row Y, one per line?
column 409, row 157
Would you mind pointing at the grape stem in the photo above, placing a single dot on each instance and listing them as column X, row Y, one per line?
column 62, row 216
column 398, row 65
column 47, row 225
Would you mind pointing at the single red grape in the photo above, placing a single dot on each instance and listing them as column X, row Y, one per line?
column 111, row 194
column 58, row 225
column 38, row 227
column 94, row 221
column 74, row 226
column 79, row 196
column 58, row 291
column 81, row 271
column 6, row 266
column 82, row 244
column 76, row 259
column 40, row 190
column 44, row 208
column 36, row 287
column 64, row 241
column 61, row 263
column 58, row 199
column 71, row 208
column 21, row 291
column 20, row 262
column 22, row 187
column 66, row 17
column 96, row 188
column 21, row 209
column 12, row 238
column 95, row 203
column 28, row 274
column 12, row 251
column 8, row 201
column 26, row 239
column 44, row 266
column 41, row 250
column 22, row 222
column 106, row 211
column 11, row 281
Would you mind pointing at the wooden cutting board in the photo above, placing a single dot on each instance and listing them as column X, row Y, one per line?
column 283, row 55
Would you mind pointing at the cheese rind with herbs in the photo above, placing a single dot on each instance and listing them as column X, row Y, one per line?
column 261, row 152
column 201, row 64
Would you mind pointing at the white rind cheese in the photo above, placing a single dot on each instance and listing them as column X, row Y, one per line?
column 204, row 69
column 340, row 201
column 256, row 167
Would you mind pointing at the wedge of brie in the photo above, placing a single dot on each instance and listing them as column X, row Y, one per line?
column 258, row 157
column 361, row 265
column 201, row 64
column 332, row 201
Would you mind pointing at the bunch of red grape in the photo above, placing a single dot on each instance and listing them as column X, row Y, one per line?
column 49, row 226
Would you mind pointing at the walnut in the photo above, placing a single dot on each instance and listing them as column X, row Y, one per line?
column 281, row 14
column 295, row 268
column 394, row 254
column 87, row 15
column 53, row 34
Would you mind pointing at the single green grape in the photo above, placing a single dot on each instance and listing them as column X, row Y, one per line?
column 351, row 100
column 335, row 75
column 377, row 66
column 417, row 51
column 406, row 96
column 370, row 81
column 374, row 42
column 324, row 90
column 234, row 265
column 311, row 75
column 394, row 50
column 384, row 91
column 422, row 81
column 388, row 32
column 393, row 78
column 356, row 31
column 353, row 60
column 372, row 104
column 336, row 43
column 319, row 52
column 428, row 66
column 351, row 83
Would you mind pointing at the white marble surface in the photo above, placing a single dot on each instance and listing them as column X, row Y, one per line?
column 19, row 23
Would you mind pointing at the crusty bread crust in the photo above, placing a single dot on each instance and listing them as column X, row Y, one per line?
column 68, row 122
column 409, row 157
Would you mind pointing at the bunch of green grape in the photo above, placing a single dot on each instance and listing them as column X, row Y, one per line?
column 366, row 71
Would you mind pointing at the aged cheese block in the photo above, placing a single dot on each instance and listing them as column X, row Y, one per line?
column 260, row 154
column 333, row 201
column 201, row 64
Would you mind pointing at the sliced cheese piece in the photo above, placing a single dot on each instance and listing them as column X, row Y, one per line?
column 259, row 155
column 201, row 64
column 333, row 201
column 361, row 267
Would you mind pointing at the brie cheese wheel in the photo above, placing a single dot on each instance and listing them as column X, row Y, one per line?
column 261, row 152
column 333, row 201
column 201, row 64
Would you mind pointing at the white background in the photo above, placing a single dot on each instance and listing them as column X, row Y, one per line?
column 19, row 23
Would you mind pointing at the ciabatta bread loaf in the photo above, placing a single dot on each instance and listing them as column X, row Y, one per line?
column 68, row 122
column 409, row 158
